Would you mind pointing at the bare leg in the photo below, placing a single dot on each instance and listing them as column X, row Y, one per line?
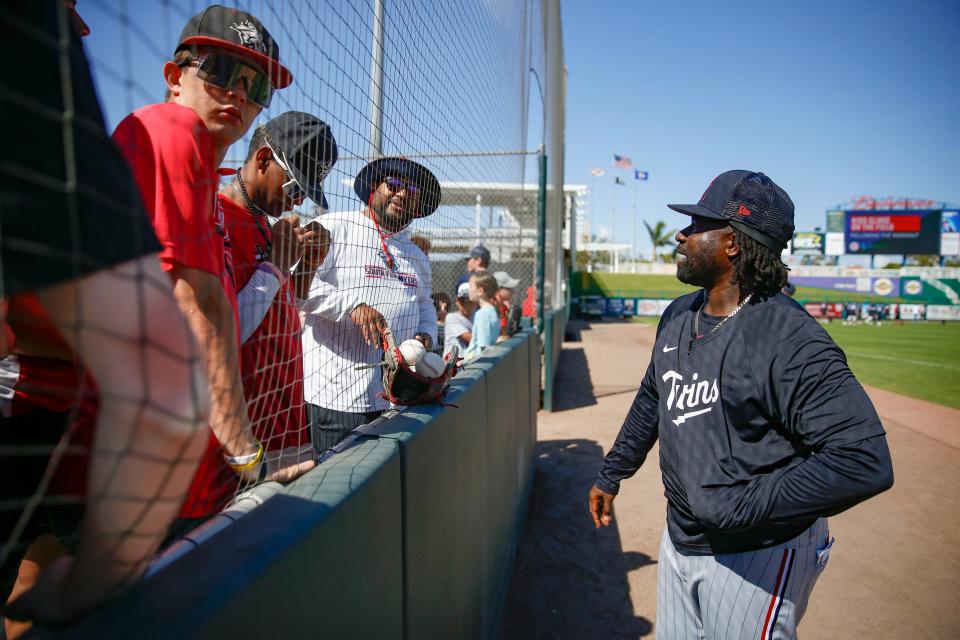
column 151, row 430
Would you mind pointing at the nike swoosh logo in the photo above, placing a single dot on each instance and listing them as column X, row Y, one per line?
column 667, row 349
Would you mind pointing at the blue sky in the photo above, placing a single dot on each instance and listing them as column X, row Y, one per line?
column 830, row 99
column 451, row 78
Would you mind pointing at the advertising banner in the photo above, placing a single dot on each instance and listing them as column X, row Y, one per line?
column 651, row 307
column 943, row 312
column 950, row 233
column 893, row 232
column 834, row 243
column 807, row 243
column 614, row 306
column 911, row 287
column 912, row 311
column 824, row 309
column 876, row 286
column 835, row 221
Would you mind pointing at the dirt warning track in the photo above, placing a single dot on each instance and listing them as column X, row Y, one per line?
column 894, row 571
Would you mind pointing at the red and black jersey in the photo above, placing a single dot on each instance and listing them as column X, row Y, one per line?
column 271, row 360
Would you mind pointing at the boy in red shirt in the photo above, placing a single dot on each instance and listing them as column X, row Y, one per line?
column 224, row 71
column 288, row 159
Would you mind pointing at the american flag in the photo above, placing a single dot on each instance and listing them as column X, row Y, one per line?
column 622, row 162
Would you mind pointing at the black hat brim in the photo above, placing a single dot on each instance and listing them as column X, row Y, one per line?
column 313, row 191
column 371, row 175
column 697, row 210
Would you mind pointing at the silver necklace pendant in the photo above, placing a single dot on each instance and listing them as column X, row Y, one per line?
column 696, row 319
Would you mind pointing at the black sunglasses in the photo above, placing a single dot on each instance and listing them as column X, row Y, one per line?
column 396, row 184
column 225, row 72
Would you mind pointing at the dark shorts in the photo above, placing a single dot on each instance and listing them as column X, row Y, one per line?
column 53, row 229
column 26, row 444
column 328, row 427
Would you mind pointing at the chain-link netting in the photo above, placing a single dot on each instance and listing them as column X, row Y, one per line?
column 311, row 176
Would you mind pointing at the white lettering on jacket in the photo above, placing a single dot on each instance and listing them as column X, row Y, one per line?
column 689, row 396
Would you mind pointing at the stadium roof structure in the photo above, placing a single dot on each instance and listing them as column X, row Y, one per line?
column 516, row 204
column 504, row 217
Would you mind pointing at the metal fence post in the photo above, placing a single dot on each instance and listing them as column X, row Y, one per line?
column 541, row 239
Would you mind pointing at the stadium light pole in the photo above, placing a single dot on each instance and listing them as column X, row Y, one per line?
column 376, row 82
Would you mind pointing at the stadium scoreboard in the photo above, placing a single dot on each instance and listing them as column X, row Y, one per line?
column 916, row 231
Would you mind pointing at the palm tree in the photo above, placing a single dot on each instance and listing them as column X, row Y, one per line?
column 659, row 236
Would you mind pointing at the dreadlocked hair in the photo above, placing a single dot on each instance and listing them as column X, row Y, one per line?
column 757, row 269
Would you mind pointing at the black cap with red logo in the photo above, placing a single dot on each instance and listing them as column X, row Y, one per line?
column 239, row 32
column 751, row 202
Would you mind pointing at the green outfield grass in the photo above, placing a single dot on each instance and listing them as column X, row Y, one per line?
column 921, row 360
column 667, row 287
column 632, row 285
column 816, row 294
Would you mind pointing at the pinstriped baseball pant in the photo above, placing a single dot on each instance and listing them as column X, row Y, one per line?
column 755, row 594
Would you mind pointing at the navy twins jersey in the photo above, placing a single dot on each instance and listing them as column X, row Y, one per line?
column 762, row 427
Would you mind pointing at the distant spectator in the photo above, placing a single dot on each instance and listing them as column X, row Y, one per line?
column 458, row 328
column 478, row 259
column 486, row 322
column 529, row 304
column 441, row 302
column 373, row 277
column 423, row 243
column 508, row 311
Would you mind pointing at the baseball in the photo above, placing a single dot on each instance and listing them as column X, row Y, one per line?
column 430, row 365
column 412, row 351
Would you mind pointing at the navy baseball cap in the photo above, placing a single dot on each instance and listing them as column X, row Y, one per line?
column 481, row 252
column 373, row 174
column 751, row 202
column 239, row 32
column 308, row 147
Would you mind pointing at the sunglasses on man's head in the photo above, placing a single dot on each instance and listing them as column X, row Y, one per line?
column 396, row 184
column 291, row 187
column 225, row 72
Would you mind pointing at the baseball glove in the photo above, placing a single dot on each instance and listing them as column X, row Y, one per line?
column 402, row 385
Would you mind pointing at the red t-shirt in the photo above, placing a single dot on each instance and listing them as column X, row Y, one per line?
column 271, row 360
column 40, row 382
column 172, row 157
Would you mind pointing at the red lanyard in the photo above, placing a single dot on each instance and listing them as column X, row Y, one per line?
column 383, row 241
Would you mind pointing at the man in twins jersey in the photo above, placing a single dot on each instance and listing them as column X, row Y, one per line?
column 225, row 69
column 288, row 159
column 763, row 430
column 374, row 276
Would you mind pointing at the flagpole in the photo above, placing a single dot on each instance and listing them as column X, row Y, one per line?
column 593, row 233
column 613, row 223
column 634, row 240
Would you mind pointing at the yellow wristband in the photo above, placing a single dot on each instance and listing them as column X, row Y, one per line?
column 240, row 468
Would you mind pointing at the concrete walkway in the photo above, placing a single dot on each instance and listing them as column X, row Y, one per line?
column 894, row 572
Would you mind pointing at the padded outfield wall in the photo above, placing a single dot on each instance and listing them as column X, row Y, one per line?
column 408, row 533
